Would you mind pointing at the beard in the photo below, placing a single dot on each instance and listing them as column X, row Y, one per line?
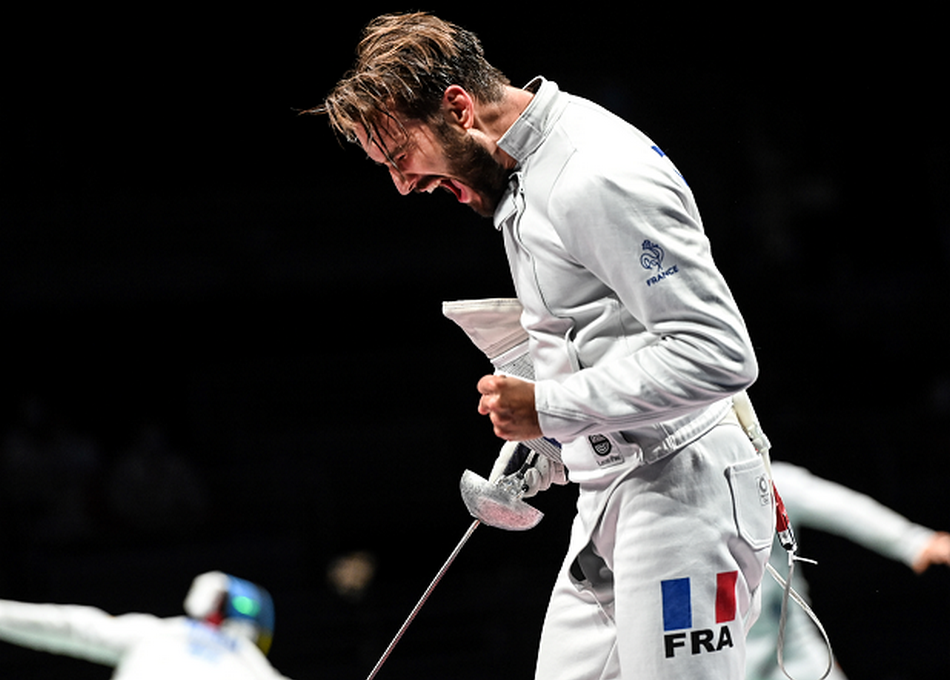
column 474, row 165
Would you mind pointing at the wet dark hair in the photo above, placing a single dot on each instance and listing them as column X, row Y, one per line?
column 404, row 64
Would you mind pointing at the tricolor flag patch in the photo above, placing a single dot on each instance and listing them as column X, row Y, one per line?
column 678, row 599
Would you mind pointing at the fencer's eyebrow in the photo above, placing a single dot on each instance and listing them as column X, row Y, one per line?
column 389, row 157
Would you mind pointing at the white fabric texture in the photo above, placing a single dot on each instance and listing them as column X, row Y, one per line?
column 637, row 347
column 694, row 515
column 139, row 646
column 633, row 331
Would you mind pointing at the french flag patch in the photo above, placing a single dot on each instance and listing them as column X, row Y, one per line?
column 678, row 601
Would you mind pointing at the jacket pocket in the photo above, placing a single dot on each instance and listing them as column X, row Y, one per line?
column 752, row 502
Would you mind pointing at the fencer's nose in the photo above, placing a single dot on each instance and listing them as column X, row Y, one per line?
column 404, row 183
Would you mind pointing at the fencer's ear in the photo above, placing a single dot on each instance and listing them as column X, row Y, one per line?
column 458, row 106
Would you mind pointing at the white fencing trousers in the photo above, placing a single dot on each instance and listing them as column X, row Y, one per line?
column 664, row 582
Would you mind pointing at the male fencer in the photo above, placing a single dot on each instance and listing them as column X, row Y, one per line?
column 636, row 342
column 226, row 634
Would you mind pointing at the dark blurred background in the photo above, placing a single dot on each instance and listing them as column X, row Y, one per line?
column 224, row 349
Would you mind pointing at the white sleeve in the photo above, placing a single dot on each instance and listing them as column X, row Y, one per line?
column 701, row 350
column 815, row 502
column 72, row 630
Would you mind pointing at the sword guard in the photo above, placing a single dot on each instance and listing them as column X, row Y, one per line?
column 498, row 504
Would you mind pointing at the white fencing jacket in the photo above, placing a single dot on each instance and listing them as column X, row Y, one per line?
column 636, row 340
column 140, row 646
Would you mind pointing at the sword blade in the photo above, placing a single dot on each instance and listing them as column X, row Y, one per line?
column 422, row 600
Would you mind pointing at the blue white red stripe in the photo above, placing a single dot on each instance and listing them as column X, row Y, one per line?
column 678, row 600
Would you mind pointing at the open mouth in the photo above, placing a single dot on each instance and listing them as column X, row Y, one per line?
column 453, row 187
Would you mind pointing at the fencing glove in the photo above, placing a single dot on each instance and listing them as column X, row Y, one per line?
column 532, row 472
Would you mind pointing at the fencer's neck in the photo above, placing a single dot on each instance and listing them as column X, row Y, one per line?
column 494, row 119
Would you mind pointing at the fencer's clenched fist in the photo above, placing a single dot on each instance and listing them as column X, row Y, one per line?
column 509, row 402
